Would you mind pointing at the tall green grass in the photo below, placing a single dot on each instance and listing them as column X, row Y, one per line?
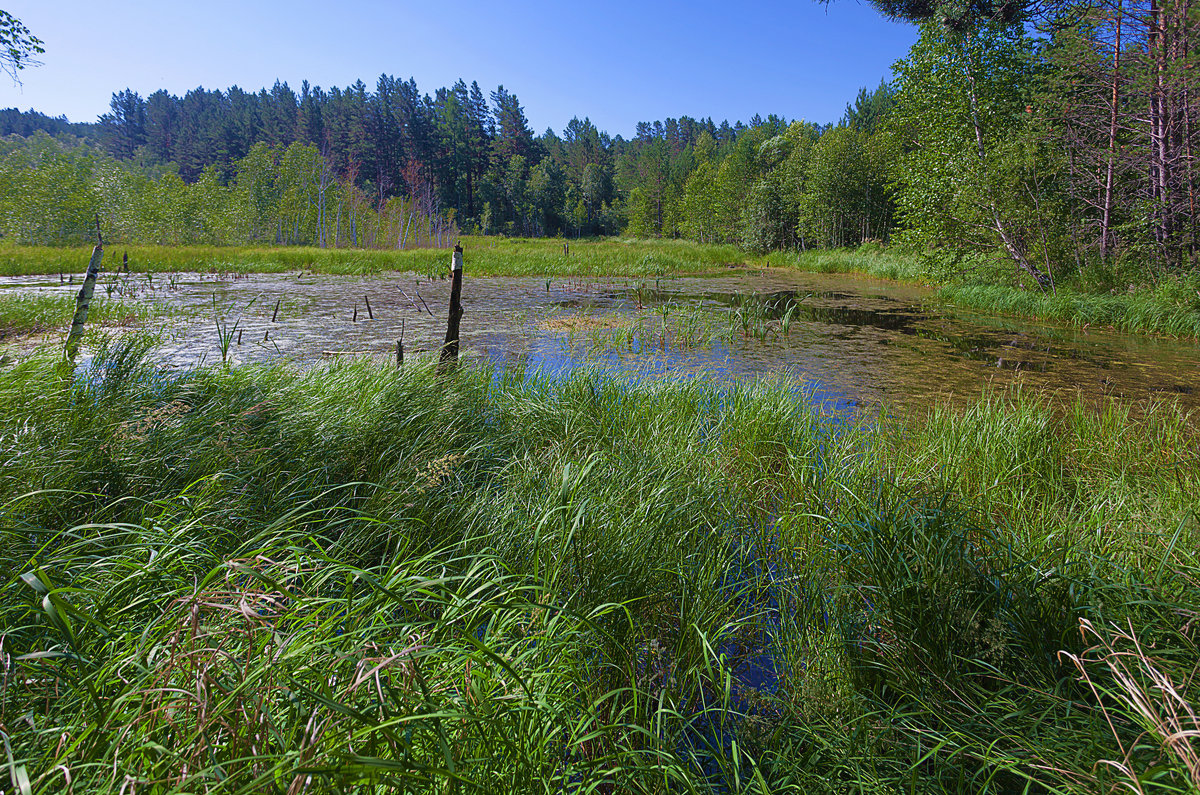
column 868, row 259
column 36, row 314
column 485, row 256
column 1171, row 306
column 1145, row 311
column 357, row 578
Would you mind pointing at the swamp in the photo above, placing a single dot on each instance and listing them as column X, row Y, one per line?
column 720, row 529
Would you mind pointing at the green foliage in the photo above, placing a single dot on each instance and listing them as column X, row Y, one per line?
column 955, row 15
column 765, row 224
column 947, row 179
column 52, row 190
column 845, row 200
column 18, row 47
column 346, row 577
column 870, row 108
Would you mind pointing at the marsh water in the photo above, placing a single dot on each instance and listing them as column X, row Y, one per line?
column 849, row 341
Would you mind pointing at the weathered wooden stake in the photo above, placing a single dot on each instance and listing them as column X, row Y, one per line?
column 84, row 299
column 566, row 249
column 125, row 261
column 355, row 318
column 370, row 314
column 400, row 345
column 239, row 336
column 275, row 314
column 450, row 347
column 266, row 334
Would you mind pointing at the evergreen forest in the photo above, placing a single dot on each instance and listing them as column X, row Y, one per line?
column 1053, row 142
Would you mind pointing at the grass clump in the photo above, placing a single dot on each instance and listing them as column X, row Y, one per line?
column 1151, row 311
column 1164, row 305
column 357, row 578
column 869, row 259
column 38, row 314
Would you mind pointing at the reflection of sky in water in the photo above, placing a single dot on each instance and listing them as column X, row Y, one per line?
column 719, row 363
column 851, row 341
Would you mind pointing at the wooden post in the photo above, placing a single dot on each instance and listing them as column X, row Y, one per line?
column 370, row 314
column 400, row 345
column 83, row 300
column 566, row 249
column 355, row 318
column 275, row 314
column 450, row 347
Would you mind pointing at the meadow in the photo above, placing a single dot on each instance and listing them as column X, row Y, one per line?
column 485, row 256
column 357, row 577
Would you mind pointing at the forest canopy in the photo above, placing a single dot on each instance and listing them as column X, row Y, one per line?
column 1047, row 141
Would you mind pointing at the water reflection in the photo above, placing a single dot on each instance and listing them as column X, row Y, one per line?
column 853, row 341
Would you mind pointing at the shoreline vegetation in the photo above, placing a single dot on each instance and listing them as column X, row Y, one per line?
column 233, row 579
column 360, row 576
column 1171, row 306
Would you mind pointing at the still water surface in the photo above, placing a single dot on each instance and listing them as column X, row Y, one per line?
column 852, row 341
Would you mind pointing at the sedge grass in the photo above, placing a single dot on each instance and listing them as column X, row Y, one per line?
column 37, row 314
column 1171, row 307
column 868, row 259
column 1129, row 312
column 356, row 578
column 485, row 256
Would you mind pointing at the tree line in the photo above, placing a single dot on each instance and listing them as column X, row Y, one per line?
column 1057, row 138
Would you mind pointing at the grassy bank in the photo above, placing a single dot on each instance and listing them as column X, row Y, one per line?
column 38, row 314
column 262, row 579
column 867, row 260
column 1170, row 306
column 1153, row 311
column 485, row 256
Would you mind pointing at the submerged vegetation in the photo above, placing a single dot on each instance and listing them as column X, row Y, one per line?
column 268, row 579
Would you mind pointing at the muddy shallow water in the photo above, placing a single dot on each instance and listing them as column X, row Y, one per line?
column 853, row 341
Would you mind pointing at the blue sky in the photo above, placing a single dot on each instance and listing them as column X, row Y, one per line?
column 618, row 62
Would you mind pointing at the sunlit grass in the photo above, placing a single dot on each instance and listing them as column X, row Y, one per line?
column 484, row 256
column 1130, row 312
column 868, row 260
column 353, row 576
column 36, row 314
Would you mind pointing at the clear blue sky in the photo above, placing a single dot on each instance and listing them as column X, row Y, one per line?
column 618, row 62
